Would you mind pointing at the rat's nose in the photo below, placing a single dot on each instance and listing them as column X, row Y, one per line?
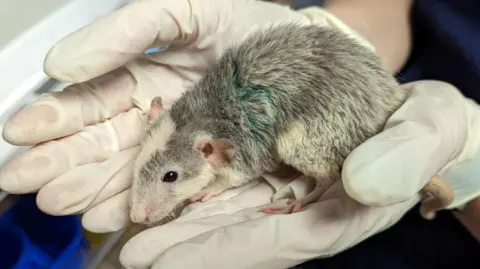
column 138, row 215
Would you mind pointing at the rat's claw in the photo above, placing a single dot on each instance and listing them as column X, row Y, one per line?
column 292, row 207
column 287, row 209
column 278, row 209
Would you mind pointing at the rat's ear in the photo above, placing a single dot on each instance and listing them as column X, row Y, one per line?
column 218, row 152
column 156, row 108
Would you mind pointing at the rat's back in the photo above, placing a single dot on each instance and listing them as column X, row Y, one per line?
column 293, row 82
column 315, row 72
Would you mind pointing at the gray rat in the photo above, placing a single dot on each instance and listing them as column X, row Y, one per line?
column 295, row 95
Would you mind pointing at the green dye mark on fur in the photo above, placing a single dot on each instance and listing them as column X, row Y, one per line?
column 254, row 96
column 255, row 105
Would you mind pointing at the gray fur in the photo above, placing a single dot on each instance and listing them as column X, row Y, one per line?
column 315, row 76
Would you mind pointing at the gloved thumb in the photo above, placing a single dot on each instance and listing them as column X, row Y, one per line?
column 427, row 133
column 116, row 39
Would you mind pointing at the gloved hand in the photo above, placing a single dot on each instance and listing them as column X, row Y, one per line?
column 96, row 127
column 89, row 133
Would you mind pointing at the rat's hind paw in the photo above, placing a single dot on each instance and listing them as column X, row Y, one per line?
column 292, row 207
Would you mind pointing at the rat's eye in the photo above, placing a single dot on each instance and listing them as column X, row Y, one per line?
column 170, row 176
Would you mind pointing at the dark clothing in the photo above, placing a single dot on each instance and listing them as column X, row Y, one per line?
column 446, row 46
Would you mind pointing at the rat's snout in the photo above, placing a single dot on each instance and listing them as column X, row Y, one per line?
column 146, row 214
column 138, row 215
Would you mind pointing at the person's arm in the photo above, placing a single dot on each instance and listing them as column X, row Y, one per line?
column 386, row 24
column 470, row 217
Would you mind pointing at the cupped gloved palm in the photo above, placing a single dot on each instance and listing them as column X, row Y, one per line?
column 89, row 134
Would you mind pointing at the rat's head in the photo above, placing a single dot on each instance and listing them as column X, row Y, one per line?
column 173, row 165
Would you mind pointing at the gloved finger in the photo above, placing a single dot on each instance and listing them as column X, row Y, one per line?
column 64, row 113
column 45, row 162
column 419, row 140
column 87, row 185
column 109, row 216
column 157, row 79
column 60, row 114
column 282, row 241
column 142, row 250
column 120, row 37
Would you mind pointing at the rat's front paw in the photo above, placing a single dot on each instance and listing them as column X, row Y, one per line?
column 201, row 197
column 206, row 195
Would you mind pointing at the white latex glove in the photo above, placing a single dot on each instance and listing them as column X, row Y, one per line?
column 435, row 132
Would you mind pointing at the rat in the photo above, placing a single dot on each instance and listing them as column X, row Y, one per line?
column 288, row 95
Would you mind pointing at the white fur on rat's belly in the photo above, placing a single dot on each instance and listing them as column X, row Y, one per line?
column 287, row 140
